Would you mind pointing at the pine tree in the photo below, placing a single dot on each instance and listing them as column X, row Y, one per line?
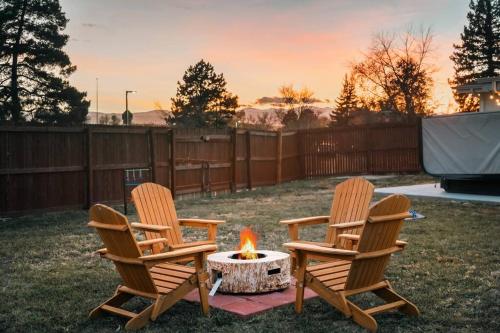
column 346, row 103
column 296, row 109
column 33, row 66
column 478, row 53
column 202, row 99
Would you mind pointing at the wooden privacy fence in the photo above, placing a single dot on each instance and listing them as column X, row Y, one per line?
column 361, row 150
column 64, row 167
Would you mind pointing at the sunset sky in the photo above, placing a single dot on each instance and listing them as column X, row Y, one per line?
column 259, row 45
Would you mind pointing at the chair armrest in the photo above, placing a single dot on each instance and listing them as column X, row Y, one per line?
column 149, row 242
column 199, row 223
column 107, row 226
column 344, row 228
column 379, row 253
column 393, row 217
column 325, row 251
column 347, row 224
column 176, row 255
column 307, row 220
column 294, row 224
column 322, row 244
column 355, row 238
column 351, row 237
column 145, row 243
column 153, row 259
column 210, row 225
column 123, row 260
column 150, row 227
column 191, row 244
column 102, row 251
column 401, row 243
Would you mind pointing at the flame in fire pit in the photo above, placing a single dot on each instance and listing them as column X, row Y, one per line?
column 248, row 244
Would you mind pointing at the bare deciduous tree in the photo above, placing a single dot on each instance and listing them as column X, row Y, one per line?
column 115, row 121
column 296, row 111
column 396, row 74
column 264, row 121
column 105, row 119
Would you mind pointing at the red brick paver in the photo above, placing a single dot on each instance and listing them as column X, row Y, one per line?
column 246, row 305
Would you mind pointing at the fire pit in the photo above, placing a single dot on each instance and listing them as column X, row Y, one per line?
column 248, row 270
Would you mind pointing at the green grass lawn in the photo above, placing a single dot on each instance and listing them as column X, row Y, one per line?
column 50, row 278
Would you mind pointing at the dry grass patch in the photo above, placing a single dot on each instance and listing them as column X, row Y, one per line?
column 451, row 269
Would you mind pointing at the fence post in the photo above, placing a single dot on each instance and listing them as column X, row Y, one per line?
column 172, row 163
column 90, row 169
column 279, row 153
column 420, row 147
column 369, row 148
column 234, row 160
column 203, row 177
column 249, row 160
column 302, row 155
column 152, row 155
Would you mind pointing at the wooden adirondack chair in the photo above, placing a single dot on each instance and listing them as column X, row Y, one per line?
column 156, row 210
column 148, row 276
column 348, row 272
column 348, row 212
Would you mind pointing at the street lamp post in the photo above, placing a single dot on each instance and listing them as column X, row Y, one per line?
column 126, row 103
column 97, row 99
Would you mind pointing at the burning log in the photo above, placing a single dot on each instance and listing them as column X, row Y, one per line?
column 248, row 245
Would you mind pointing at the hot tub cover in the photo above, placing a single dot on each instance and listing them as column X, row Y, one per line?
column 463, row 144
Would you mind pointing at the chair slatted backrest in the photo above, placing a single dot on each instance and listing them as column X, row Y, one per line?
column 351, row 202
column 378, row 242
column 155, row 205
column 114, row 230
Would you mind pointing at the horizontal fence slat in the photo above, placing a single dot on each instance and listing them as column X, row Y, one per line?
column 26, row 171
column 183, row 167
column 34, row 129
column 204, row 138
column 120, row 166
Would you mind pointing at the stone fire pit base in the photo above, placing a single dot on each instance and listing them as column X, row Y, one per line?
column 271, row 271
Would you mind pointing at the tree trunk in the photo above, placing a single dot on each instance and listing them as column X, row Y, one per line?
column 490, row 41
column 14, row 85
column 410, row 110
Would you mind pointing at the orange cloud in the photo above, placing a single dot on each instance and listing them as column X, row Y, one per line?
column 258, row 45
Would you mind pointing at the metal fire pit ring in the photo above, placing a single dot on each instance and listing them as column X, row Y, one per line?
column 271, row 271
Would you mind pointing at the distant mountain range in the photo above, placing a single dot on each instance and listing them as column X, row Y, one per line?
column 157, row 117
column 153, row 117
column 254, row 112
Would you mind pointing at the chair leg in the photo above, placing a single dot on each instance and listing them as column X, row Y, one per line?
column 116, row 301
column 389, row 295
column 168, row 300
column 202, row 289
column 202, row 286
column 336, row 299
column 140, row 320
column 162, row 305
column 361, row 318
column 157, row 307
column 113, row 305
column 300, row 276
column 293, row 263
